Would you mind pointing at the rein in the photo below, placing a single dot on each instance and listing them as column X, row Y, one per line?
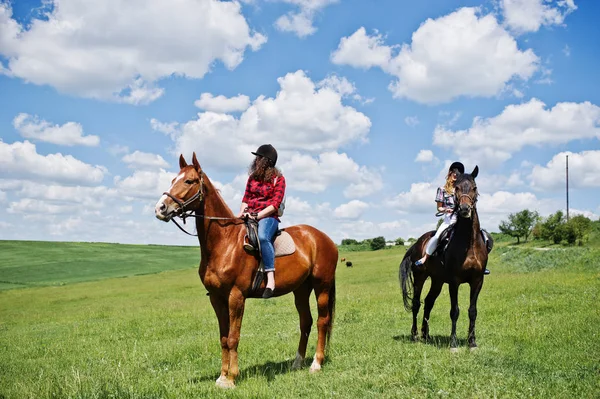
column 185, row 213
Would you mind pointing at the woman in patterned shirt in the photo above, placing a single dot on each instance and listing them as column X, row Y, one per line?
column 445, row 204
column 264, row 193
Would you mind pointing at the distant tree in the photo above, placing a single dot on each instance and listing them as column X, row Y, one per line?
column 399, row 241
column 349, row 241
column 577, row 229
column 553, row 227
column 377, row 243
column 519, row 224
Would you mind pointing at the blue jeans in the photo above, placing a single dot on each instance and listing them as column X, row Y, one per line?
column 267, row 228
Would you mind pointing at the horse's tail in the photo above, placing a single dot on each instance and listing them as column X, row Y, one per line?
column 331, row 308
column 406, row 278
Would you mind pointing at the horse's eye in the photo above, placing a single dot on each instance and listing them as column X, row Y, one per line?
column 189, row 182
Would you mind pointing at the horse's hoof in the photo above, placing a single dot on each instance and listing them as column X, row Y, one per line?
column 453, row 350
column 473, row 349
column 297, row 365
column 223, row 382
column 315, row 367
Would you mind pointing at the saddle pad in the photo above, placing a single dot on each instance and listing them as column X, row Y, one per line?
column 284, row 244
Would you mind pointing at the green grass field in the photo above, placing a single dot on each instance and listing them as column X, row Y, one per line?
column 156, row 336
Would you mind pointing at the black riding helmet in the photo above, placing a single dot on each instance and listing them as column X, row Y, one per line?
column 458, row 167
column 269, row 152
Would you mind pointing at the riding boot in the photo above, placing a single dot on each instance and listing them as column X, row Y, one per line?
column 269, row 291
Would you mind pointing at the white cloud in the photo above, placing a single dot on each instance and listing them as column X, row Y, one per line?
column 419, row 199
column 117, row 149
column 144, row 184
column 493, row 140
column 362, row 51
column 143, row 160
column 567, row 50
column 69, row 134
column 222, row 104
column 71, row 49
column 505, row 202
column 301, row 22
column 342, row 86
column 424, row 156
column 351, row 210
column 305, row 173
column 89, row 197
column 301, row 117
column 21, row 160
column 494, row 208
column 411, row 121
column 460, row 54
column 529, row 15
column 584, row 171
column 28, row 205
column 170, row 129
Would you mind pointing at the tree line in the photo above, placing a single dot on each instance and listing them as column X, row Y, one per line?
column 555, row 228
column 373, row 244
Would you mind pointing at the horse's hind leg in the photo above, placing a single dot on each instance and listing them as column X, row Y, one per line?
column 416, row 304
column 322, row 292
column 475, row 290
column 434, row 292
column 301, row 299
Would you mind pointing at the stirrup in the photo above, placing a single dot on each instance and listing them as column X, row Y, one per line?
column 247, row 246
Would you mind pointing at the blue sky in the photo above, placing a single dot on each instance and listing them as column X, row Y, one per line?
column 366, row 102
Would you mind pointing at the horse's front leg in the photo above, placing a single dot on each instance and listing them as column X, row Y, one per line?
column 454, row 312
column 236, row 306
column 434, row 292
column 222, row 311
column 475, row 290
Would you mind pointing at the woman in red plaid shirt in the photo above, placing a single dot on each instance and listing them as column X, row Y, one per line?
column 265, row 191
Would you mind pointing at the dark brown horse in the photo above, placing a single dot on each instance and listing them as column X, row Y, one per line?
column 464, row 261
column 227, row 271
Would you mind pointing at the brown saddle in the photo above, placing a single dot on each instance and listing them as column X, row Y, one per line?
column 284, row 243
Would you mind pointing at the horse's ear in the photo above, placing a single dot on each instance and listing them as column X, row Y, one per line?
column 195, row 162
column 475, row 172
column 182, row 163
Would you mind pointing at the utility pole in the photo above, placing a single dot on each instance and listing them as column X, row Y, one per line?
column 567, row 188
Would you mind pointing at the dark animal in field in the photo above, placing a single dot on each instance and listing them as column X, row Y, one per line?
column 349, row 264
column 227, row 270
column 464, row 261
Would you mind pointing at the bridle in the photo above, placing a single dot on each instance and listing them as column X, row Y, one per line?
column 184, row 213
column 472, row 199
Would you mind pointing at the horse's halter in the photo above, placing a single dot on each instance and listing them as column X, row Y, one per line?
column 182, row 211
column 473, row 200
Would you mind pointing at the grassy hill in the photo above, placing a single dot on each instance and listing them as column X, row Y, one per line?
column 40, row 263
column 156, row 335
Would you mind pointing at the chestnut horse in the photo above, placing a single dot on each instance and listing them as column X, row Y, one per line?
column 227, row 271
column 464, row 261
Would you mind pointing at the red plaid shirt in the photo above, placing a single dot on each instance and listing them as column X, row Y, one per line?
column 260, row 195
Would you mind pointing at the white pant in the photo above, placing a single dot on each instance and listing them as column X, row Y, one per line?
column 449, row 220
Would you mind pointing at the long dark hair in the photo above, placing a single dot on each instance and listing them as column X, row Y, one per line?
column 263, row 170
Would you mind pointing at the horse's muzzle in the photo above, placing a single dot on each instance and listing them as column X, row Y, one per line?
column 465, row 211
column 162, row 212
